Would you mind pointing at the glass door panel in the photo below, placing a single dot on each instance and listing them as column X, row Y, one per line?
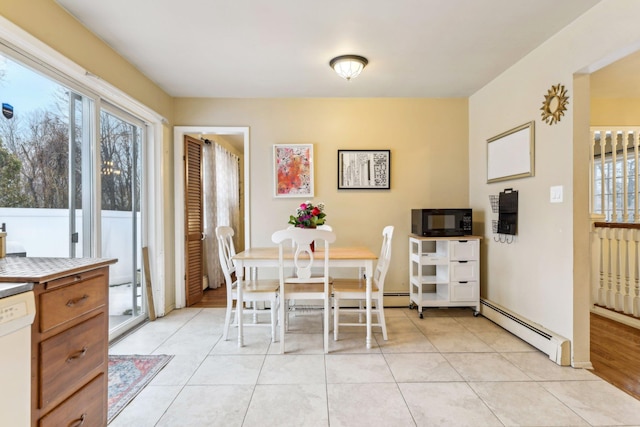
column 120, row 176
column 41, row 137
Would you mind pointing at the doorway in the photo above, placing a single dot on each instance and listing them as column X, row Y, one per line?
column 240, row 138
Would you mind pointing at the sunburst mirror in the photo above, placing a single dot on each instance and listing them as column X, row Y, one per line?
column 554, row 104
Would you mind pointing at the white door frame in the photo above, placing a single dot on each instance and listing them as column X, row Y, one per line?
column 178, row 143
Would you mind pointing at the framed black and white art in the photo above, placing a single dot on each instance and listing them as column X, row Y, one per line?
column 364, row 169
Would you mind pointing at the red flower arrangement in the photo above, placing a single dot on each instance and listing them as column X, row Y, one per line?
column 308, row 216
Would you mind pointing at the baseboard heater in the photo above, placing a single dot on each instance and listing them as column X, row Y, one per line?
column 555, row 346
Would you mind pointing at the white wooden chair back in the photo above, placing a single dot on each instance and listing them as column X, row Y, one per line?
column 303, row 257
column 385, row 257
column 226, row 251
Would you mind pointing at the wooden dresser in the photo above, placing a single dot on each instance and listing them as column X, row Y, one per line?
column 69, row 337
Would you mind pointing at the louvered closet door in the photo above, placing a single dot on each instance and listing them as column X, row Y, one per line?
column 193, row 220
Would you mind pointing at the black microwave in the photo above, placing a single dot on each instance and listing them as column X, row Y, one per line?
column 441, row 222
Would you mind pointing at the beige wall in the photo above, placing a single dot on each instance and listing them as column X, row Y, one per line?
column 534, row 276
column 615, row 112
column 51, row 25
column 429, row 161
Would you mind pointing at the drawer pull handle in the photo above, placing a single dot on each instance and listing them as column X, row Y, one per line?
column 77, row 354
column 73, row 302
column 78, row 422
column 463, row 262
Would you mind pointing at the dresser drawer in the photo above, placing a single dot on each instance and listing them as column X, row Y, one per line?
column 75, row 278
column 68, row 357
column 68, row 302
column 463, row 270
column 465, row 250
column 87, row 407
column 464, row 291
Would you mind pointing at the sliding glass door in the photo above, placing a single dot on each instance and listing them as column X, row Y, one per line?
column 71, row 169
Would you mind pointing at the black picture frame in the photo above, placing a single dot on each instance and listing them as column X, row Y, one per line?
column 364, row 169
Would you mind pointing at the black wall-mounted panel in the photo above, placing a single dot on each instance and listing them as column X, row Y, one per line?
column 508, row 212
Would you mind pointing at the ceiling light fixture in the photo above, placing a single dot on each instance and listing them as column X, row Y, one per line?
column 348, row 66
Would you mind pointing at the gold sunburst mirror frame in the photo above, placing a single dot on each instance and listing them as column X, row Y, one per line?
column 554, row 104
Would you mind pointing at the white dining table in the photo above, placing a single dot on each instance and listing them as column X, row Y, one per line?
column 339, row 257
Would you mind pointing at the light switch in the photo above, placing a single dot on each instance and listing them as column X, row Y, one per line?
column 555, row 194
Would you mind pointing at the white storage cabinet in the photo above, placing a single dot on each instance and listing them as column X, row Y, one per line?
column 444, row 272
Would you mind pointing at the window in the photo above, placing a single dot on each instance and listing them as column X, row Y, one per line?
column 615, row 176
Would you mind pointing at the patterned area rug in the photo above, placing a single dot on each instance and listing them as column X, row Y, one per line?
column 128, row 375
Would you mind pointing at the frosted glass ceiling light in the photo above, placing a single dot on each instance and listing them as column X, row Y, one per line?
column 348, row 66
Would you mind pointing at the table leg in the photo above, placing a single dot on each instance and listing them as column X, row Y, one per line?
column 239, row 303
column 369, row 270
column 282, row 314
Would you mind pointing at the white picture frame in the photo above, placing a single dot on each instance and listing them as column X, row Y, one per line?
column 293, row 170
column 510, row 155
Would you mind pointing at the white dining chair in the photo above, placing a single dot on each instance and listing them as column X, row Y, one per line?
column 253, row 290
column 355, row 289
column 292, row 303
column 302, row 284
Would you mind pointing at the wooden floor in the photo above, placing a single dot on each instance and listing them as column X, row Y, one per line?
column 213, row 298
column 615, row 353
column 615, row 348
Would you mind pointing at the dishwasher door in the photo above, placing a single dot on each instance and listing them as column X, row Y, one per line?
column 16, row 316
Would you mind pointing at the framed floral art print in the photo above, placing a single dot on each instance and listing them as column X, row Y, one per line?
column 293, row 170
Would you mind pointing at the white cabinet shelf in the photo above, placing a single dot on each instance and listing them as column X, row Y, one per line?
column 444, row 272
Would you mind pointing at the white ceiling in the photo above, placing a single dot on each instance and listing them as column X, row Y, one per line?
column 282, row 48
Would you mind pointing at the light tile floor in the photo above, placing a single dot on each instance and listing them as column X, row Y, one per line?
column 448, row 369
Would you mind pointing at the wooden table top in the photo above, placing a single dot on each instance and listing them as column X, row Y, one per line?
column 335, row 253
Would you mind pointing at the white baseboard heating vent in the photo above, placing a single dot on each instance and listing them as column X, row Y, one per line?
column 555, row 346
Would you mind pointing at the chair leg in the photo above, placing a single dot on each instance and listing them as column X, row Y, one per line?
column 336, row 317
column 326, row 315
column 283, row 303
column 286, row 314
column 254, row 304
column 227, row 320
column 361, row 308
column 381, row 319
column 274, row 308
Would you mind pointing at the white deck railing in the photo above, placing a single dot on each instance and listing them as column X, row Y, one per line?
column 45, row 233
column 615, row 235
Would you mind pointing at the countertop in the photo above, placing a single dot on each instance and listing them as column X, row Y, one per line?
column 9, row 289
column 29, row 269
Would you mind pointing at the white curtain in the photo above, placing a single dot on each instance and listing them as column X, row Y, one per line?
column 221, row 204
column 228, row 189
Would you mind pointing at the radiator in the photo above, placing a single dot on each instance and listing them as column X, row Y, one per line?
column 555, row 346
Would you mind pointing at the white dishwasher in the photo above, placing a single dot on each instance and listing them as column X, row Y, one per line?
column 17, row 310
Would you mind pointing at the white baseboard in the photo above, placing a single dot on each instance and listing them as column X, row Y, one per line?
column 555, row 346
